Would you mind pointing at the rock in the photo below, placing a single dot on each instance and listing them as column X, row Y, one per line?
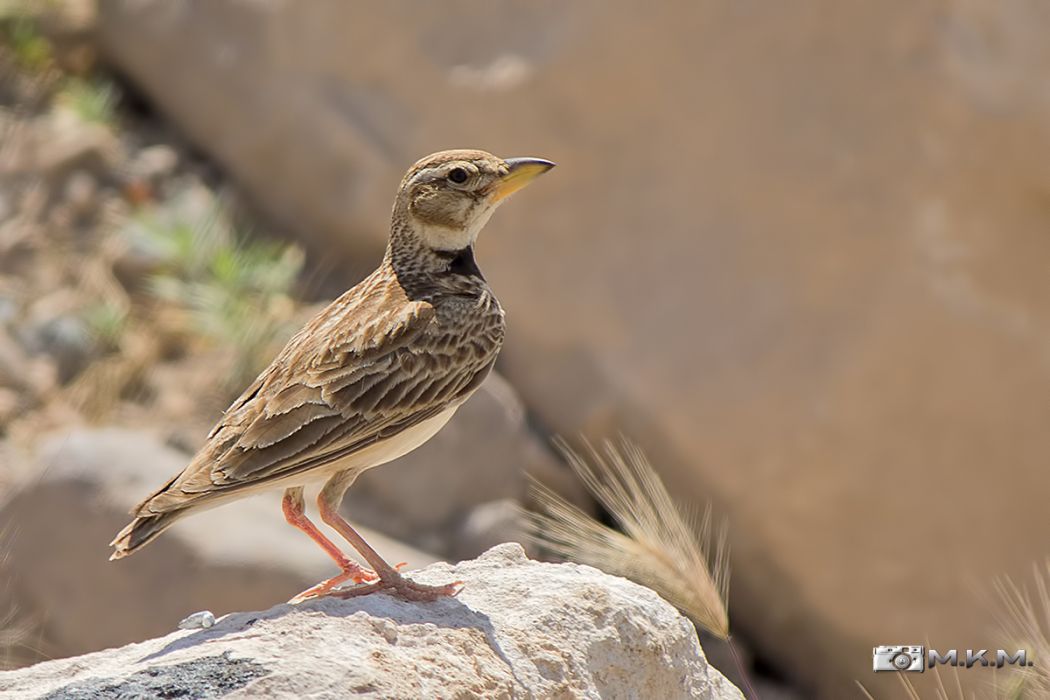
column 799, row 254
column 82, row 193
column 32, row 376
column 353, row 110
column 68, row 145
column 10, row 402
column 60, row 519
column 8, row 305
column 519, row 629
column 13, row 359
column 66, row 339
column 154, row 162
column 487, row 525
column 6, row 211
column 482, row 455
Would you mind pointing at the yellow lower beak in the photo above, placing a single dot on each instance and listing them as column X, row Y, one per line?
column 522, row 172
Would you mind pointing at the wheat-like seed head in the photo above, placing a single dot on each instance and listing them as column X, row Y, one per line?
column 672, row 550
column 15, row 629
column 1026, row 622
column 953, row 691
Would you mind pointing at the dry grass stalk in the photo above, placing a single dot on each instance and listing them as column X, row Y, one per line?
column 1017, row 686
column 663, row 546
column 14, row 633
column 941, row 692
column 1026, row 623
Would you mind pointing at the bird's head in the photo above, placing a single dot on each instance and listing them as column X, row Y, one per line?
column 446, row 198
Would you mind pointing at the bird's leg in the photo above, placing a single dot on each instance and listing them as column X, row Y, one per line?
column 294, row 512
column 389, row 577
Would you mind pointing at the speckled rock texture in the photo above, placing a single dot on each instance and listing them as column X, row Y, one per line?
column 518, row 629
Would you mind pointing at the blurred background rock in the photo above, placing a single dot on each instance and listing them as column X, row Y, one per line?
column 798, row 252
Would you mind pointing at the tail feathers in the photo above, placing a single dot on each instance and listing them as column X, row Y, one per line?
column 140, row 532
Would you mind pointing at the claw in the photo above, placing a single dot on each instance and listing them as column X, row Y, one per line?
column 351, row 572
column 403, row 588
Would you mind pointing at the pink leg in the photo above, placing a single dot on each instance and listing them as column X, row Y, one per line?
column 389, row 578
column 294, row 512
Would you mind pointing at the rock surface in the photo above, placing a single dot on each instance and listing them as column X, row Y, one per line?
column 518, row 629
column 798, row 251
column 57, row 526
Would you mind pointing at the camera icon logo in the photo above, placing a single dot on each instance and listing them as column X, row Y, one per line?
column 899, row 658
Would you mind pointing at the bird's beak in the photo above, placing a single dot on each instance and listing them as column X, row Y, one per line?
column 521, row 172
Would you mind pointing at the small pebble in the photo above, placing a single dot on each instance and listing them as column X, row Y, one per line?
column 155, row 161
column 81, row 192
column 198, row 620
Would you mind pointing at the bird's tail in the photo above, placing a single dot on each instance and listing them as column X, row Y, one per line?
column 141, row 531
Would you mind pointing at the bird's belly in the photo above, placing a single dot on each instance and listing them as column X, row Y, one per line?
column 396, row 446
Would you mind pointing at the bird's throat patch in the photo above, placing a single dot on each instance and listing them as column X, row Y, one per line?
column 461, row 262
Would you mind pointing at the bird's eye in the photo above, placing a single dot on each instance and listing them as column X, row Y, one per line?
column 458, row 175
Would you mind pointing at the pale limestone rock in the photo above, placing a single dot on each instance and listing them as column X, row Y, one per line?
column 518, row 629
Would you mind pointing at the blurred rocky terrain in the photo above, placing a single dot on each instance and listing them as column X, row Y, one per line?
column 62, row 588
column 576, row 633
column 139, row 293
column 797, row 251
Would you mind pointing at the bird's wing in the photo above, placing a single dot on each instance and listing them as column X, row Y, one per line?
column 362, row 371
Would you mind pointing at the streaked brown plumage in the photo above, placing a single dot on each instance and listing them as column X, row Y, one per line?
column 370, row 378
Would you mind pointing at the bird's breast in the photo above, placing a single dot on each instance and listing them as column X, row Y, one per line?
column 397, row 445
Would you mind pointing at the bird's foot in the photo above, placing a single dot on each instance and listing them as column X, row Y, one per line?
column 351, row 572
column 402, row 587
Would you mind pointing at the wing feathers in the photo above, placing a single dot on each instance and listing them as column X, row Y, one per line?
column 268, row 429
column 366, row 368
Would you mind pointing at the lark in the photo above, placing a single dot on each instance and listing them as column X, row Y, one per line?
column 372, row 377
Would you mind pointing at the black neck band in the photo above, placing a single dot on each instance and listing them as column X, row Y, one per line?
column 461, row 262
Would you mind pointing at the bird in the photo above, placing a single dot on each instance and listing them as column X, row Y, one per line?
column 370, row 378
